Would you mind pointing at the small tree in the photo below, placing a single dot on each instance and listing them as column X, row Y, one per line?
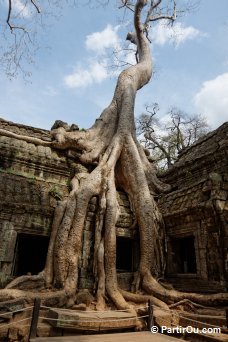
column 166, row 139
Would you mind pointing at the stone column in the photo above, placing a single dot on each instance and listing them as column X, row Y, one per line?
column 8, row 238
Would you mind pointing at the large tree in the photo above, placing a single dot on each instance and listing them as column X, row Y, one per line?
column 119, row 161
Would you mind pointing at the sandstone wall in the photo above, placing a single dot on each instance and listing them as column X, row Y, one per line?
column 198, row 207
column 32, row 180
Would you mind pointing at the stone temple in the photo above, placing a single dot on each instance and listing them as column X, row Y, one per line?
column 34, row 178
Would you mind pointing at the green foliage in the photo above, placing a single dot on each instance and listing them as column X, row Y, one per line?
column 31, row 178
column 56, row 193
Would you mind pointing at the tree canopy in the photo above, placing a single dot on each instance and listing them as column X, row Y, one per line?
column 167, row 137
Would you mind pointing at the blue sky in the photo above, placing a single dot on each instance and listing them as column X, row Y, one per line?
column 71, row 80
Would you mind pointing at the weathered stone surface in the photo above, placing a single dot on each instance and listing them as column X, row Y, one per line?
column 196, row 207
column 79, row 307
column 125, row 280
column 109, row 320
column 84, row 297
column 43, row 330
column 12, row 305
column 198, row 320
column 12, row 334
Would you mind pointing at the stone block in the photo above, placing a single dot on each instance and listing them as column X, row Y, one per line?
column 5, row 318
column 12, row 334
column 123, row 224
column 55, row 332
column 219, row 194
column 125, row 280
column 43, row 330
column 123, row 202
column 163, row 318
column 8, row 236
column 220, row 205
column 86, row 282
column 4, row 334
column 84, row 297
column 125, row 232
column 12, row 305
column 109, row 320
column 79, row 307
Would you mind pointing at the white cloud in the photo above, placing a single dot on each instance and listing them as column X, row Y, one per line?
column 95, row 73
column 212, row 100
column 129, row 56
column 100, row 41
column 99, row 44
column 178, row 33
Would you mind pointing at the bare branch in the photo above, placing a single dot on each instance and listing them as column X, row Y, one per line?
column 155, row 109
column 9, row 15
column 8, row 19
column 156, row 4
column 127, row 5
column 36, row 6
column 166, row 141
column 171, row 17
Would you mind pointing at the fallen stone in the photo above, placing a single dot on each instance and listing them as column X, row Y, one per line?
column 84, row 297
column 79, row 307
column 109, row 320
column 12, row 305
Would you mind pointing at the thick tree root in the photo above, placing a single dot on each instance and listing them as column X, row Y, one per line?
column 142, row 298
column 150, row 285
column 27, row 282
column 53, row 298
column 189, row 302
column 32, row 140
column 101, row 282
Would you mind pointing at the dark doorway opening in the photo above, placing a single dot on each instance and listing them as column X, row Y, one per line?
column 30, row 255
column 184, row 256
column 124, row 254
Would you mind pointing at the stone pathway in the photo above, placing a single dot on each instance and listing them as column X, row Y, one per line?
column 145, row 336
